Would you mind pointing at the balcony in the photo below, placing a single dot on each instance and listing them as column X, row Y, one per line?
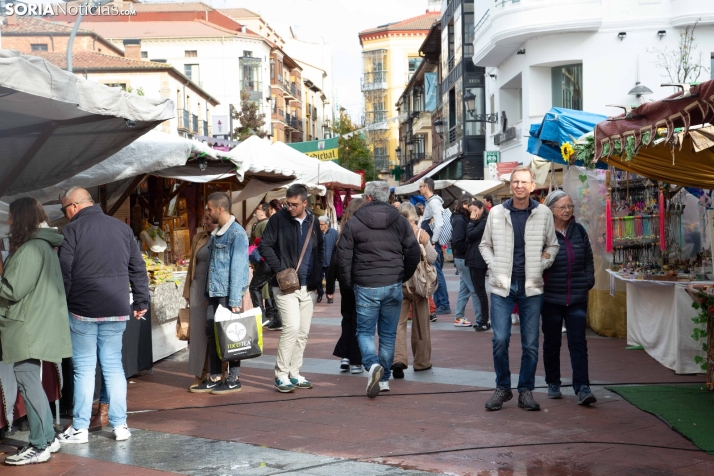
column 184, row 120
column 194, row 123
column 375, row 80
column 204, row 128
column 288, row 120
column 502, row 26
column 422, row 123
column 254, row 88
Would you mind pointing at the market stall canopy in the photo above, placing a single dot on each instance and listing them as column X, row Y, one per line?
column 257, row 157
column 455, row 188
column 54, row 125
column 558, row 126
column 316, row 171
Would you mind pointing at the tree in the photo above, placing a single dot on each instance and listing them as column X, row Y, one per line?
column 250, row 120
column 354, row 153
column 682, row 65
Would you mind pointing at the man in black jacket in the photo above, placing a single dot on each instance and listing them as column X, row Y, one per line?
column 100, row 259
column 377, row 252
column 281, row 245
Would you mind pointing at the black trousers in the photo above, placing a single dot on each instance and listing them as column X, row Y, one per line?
column 329, row 287
column 262, row 274
column 478, row 277
column 575, row 317
column 215, row 364
column 347, row 346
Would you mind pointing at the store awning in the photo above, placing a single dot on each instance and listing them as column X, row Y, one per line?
column 455, row 188
column 430, row 172
column 317, row 171
column 54, row 125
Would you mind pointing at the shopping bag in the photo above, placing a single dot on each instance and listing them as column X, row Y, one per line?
column 182, row 324
column 238, row 336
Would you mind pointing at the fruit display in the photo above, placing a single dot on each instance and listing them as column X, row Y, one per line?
column 158, row 272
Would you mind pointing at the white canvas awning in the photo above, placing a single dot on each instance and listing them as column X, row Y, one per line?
column 455, row 188
column 54, row 125
column 315, row 171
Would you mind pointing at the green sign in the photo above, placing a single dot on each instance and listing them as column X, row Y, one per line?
column 320, row 149
column 493, row 156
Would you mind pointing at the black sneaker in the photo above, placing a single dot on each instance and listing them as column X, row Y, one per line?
column 398, row 371
column 276, row 325
column 207, row 386
column 28, row 455
column 227, row 387
column 527, row 402
column 499, row 397
column 433, row 318
column 554, row 391
column 482, row 327
column 585, row 396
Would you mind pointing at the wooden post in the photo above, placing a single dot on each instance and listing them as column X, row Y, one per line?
column 710, row 354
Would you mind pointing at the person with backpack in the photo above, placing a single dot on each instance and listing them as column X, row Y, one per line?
column 435, row 210
column 565, row 298
column 416, row 296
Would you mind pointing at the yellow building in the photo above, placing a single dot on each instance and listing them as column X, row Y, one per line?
column 390, row 56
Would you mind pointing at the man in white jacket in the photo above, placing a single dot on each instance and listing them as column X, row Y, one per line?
column 435, row 209
column 519, row 243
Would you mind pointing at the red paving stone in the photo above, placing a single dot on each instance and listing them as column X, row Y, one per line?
column 69, row 465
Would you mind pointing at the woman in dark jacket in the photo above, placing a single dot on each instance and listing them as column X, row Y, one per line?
column 459, row 246
column 565, row 298
column 347, row 347
column 477, row 266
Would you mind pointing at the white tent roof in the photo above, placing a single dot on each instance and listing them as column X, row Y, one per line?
column 455, row 187
column 257, row 156
column 317, row 171
column 54, row 125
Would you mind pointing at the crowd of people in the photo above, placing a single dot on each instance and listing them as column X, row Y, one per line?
column 65, row 294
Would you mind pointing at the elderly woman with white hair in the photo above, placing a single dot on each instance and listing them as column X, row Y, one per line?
column 565, row 299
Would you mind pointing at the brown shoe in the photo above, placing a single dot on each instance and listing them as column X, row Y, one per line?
column 101, row 419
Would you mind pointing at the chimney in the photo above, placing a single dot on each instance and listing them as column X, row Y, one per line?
column 11, row 20
column 433, row 6
column 132, row 49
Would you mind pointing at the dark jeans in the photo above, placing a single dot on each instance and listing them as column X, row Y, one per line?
column 261, row 275
column 441, row 296
column 347, row 346
column 478, row 278
column 575, row 317
column 329, row 287
column 215, row 364
column 39, row 415
column 501, row 308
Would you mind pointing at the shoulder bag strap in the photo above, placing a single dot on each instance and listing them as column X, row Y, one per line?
column 307, row 241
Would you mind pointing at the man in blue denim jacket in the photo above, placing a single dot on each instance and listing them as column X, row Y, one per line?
column 227, row 282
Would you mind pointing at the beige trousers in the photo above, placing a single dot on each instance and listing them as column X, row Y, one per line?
column 296, row 313
column 421, row 332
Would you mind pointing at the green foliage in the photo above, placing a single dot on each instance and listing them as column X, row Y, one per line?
column 699, row 335
column 684, row 64
column 138, row 91
column 630, row 149
column 250, row 120
column 354, row 153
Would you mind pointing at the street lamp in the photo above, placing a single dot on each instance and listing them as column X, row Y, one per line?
column 398, row 150
column 439, row 127
column 410, row 146
column 470, row 100
column 87, row 4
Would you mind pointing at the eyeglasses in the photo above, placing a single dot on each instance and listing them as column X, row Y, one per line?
column 565, row 207
column 64, row 208
column 518, row 183
column 292, row 205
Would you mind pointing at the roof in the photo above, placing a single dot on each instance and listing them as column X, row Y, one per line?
column 96, row 62
column 422, row 22
column 162, row 29
column 29, row 25
column 239, row 13
column 172, row 7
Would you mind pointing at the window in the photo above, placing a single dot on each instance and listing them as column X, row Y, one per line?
column 567, row 83
column 145, row 54
column 117, row 85
column 272, row 69
column 192, row 72
column 247, row 54
column 413, row 66
column 250, row 72
column 191, row 53
column 39, row 46
column 450, row 35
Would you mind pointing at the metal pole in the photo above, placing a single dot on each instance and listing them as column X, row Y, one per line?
column 74, row 33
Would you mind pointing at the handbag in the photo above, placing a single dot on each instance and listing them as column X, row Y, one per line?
column 288, row 279
column 424, row 281
column 238, row 336
column 183, row 324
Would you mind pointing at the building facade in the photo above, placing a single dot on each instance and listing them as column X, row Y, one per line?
column 580, row 54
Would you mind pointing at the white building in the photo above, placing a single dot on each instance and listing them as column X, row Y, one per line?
column 578, row 54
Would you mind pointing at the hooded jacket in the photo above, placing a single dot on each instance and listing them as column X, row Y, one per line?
column 572, row 275
column 33, row 307
column 377, row 247
column 434, row 208
column 459, row 243
column 497, row 248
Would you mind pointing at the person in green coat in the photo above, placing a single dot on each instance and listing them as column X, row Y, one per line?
column 33, row 320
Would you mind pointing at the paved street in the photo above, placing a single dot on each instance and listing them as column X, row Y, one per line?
column 431, row 422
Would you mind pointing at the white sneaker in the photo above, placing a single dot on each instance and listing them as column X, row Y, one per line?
column 383, row 386
column 122, row 433
column 375, row 374
column 74, row 436
column 28, row 455
column 344, row 365
column 55, row 446
column 515, row 319
column 356, row 369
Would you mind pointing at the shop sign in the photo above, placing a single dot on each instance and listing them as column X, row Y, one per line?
column 493, row 156
column 220, row 126
column 505, row 168
column 320, row 149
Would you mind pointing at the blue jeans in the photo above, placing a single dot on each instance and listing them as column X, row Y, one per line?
column 575, row 317
column 380, row 308
column 88, row 338
column 441, row 296
column 466, row 289
column 529, row 308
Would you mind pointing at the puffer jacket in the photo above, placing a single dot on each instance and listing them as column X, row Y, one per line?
column 377, row 247
column 573, row 272
column 497, row 248
column 474, row 235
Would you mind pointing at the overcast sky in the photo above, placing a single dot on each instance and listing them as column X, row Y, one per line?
column 338, row 22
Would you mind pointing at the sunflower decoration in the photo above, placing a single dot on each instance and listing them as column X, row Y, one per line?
column 566, row 151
